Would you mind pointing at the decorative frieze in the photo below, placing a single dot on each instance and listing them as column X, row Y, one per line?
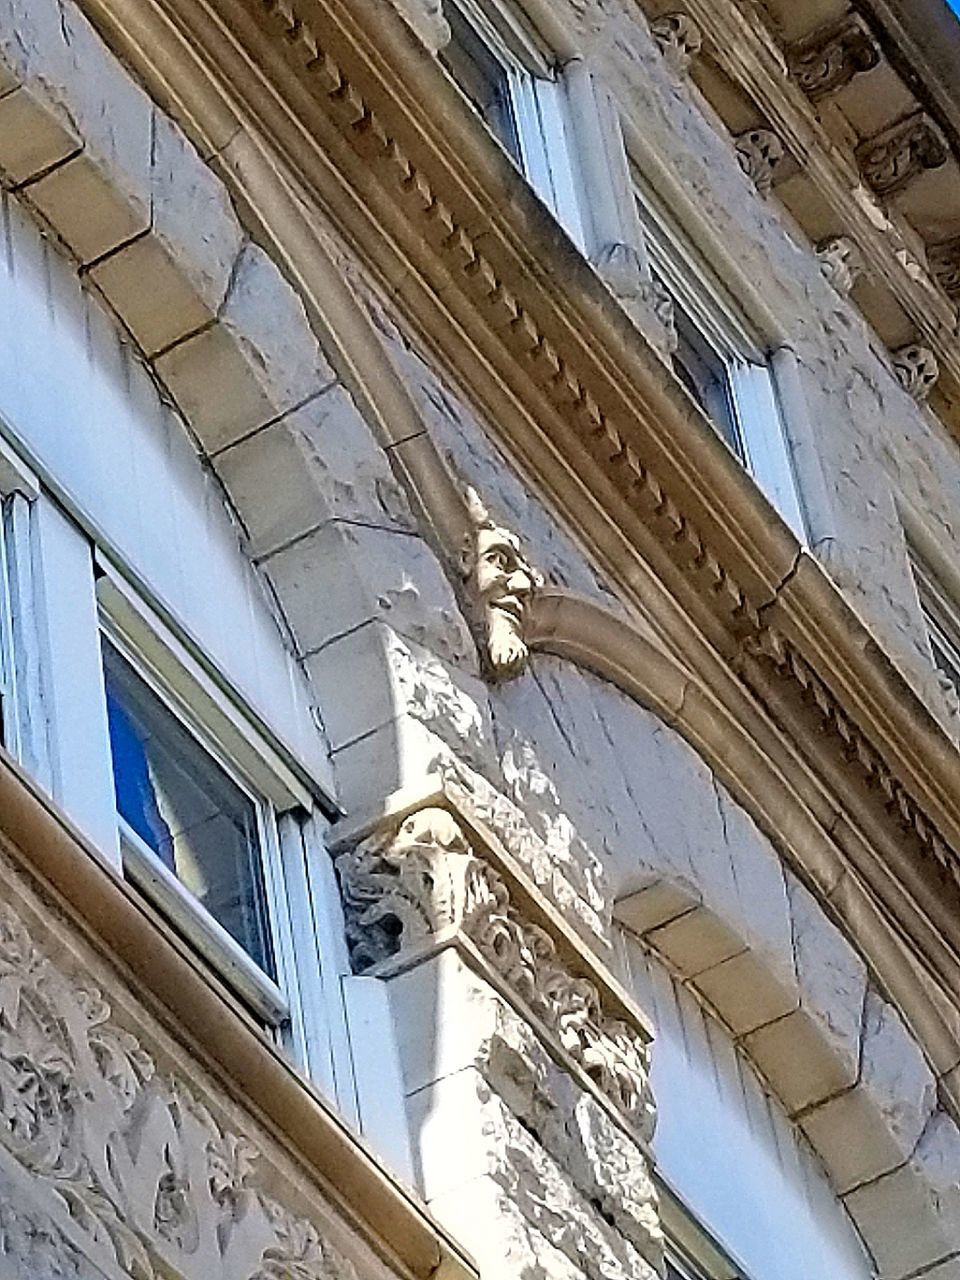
column 944, row 263
column 916, row 368
column 759, row 152
column 829, row 59
column 841, row 262
column 679, row 38
column 151, row 1183
column 410, row 884
column 890, row 160
column 499, row 583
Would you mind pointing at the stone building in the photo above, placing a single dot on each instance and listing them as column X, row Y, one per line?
column 479, row 640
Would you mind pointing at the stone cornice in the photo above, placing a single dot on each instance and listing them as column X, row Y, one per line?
column 575, row 392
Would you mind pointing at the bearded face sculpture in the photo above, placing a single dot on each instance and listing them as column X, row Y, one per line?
column 501, row 583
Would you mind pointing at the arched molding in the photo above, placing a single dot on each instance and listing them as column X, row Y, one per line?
column 871, row 1126
column 629, row 654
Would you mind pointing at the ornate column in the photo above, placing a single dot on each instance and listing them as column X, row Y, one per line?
column 525, row 1064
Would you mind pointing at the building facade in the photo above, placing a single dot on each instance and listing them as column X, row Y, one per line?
column 479, row 640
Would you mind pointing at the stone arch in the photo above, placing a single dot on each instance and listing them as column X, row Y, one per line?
column 314, row 440
column 830, row 1034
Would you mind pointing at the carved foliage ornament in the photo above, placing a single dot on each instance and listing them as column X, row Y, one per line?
column 916, row 368
column 895, row 157
column 840, row 261
column 829, row 59
column 499, row 582
column 152, row 1182
column 401, row 888
column 426, row 18
column 759, row 152
column 679, row 38
column 944, row 263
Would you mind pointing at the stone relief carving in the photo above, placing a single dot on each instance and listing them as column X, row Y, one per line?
column 944, row 263
column 679, row 38
column 620, row 268
column 893, row 158
column 499, row 582
column 830, row 58
column 916, row 368
column 759, row 152
column 148, row 1177
column 841, row 262
column 403, row 887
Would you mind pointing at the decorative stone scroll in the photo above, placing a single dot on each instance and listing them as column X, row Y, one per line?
column 499, row 582
column 829, row 59
column 148, row 1180
column 841, row 262
column 892, row 159
column 679, row 38
column 944, row 263
column 403, row 887
column 759, row 152
column 916, row 368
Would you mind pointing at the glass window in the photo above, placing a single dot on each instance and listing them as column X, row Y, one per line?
column 512, row 81
column 941, row 617
column 483, row 77
column 185, row 807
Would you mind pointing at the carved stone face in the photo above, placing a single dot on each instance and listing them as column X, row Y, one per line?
column 502, row 583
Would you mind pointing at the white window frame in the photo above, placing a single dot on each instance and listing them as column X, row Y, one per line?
column 281, row 801
column 941, row 619
column 539, row 107
column 724, row 327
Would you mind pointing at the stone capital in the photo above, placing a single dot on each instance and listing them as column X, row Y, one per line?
column 944, row 263
column 426, row 877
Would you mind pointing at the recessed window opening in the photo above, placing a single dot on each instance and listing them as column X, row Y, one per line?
column 720, row 357
column 175, row 797
column 514, row 85
column 941, row 616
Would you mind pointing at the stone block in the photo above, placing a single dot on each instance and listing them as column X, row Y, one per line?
column 696, row 941
column 391, row 677
column 912, row 1216
column 80, row 200
column 150, row 293
column 653, row 906
column 799, row 1061
column 32, row 138
column 334, row 580
column 315, row 463
column 745, row 992
column 193, row 217
column 400, row 754
column 831, row 977
column 450, row 1104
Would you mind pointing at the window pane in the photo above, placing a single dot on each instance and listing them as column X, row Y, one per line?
column 704, row 373
column 482, row 77
column 185, row 807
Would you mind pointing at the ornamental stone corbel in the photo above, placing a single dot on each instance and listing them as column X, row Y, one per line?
column 499, row 583
column 426, row 18
column 841, row 262
column 426, row 878
column 916, row 368
column 828, row 59
column 944, row 263
column 891, row 160
column 646, row 301
column 679, row 38
column 759, row 152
